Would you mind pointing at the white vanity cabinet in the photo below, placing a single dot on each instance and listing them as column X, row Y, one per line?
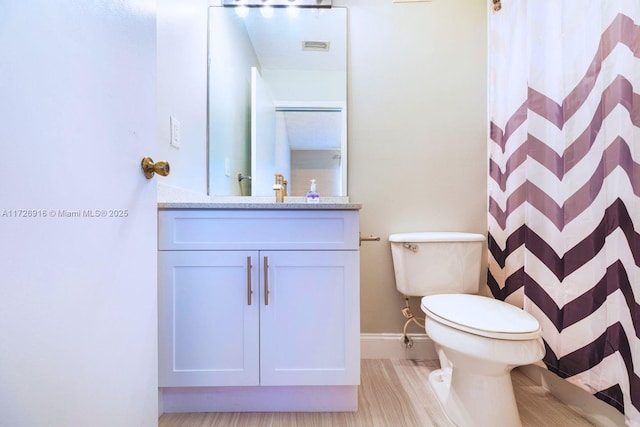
column 265, row 301
column 208, row 329
column 307, row 330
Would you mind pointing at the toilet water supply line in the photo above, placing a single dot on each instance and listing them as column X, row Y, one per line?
column 408, row 314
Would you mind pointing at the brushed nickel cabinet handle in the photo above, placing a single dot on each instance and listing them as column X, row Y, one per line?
column 266, row 280
column 249, row 291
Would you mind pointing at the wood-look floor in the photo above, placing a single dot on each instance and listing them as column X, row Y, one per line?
column 393, row 393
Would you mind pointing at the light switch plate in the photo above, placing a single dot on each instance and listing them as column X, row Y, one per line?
column 175, row 132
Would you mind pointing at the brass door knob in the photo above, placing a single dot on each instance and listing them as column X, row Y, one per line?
column 149, row 168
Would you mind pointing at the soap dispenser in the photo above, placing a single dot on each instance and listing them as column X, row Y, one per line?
column 312, row 194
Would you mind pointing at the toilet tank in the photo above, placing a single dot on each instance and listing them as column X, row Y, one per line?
column 429, row 263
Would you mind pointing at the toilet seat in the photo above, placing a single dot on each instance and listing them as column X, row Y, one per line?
column 482, row 316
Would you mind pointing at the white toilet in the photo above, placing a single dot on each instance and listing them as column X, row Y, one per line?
column 479, row 340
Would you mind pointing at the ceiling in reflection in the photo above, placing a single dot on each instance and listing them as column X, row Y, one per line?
column 278, row 41
column 314, row 130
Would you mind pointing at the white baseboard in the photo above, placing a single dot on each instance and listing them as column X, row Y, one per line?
column 392, row 346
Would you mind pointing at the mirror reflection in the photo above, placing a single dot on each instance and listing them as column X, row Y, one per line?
column 277, row 101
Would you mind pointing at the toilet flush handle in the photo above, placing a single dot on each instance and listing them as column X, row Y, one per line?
column 410, row 246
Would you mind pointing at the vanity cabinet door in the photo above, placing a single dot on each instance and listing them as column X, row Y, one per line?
column 208, row 321
column 309, row 318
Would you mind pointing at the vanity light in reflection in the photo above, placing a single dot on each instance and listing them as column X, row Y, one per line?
column 242, row 11
column 278, row 3
column 266, row 11
column 293, row 11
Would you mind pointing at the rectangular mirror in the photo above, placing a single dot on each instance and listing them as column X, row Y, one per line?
column 277, row 100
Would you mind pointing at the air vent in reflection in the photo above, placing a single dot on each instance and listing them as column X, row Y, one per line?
column 315, row 45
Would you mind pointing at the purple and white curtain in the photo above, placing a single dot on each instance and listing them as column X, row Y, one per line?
column 564, row 184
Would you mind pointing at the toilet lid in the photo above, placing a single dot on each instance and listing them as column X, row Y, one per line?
column 481, row 316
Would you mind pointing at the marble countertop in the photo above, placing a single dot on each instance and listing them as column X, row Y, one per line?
column 176, row 198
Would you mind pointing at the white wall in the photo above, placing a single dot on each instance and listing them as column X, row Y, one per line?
column 321, row 165
column 230, row 104
column 182, row 83
column 306, row 85
column 417, row 131
column 283, row 151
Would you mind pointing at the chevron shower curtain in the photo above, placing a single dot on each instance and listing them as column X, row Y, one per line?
column 564, row 184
